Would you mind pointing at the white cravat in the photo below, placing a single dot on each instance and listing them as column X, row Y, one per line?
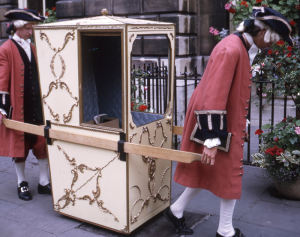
column 25, row 44
column 253, row 48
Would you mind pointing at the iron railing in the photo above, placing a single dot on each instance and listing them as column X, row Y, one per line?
column 156, row 83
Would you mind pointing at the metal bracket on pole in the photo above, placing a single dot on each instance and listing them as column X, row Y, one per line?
column 46, row 132
column 121, row 147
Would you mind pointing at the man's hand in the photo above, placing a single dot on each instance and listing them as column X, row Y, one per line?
column 208, row 156
column 1, row 116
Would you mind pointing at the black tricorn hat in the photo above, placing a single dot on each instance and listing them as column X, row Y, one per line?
column 23, row 14
column 275, row 20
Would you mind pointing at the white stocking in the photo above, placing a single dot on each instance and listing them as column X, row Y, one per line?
column 20, row 170
column 188, row 194
column 43, row 167
column 226, row 212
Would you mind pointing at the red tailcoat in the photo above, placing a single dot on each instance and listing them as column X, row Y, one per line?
column 12, row 80
column 225, row 85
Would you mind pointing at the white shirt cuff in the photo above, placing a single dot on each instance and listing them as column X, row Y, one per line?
column 210, row 143
column 247, row 123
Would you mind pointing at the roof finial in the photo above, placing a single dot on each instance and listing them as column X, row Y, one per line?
column 104, row 11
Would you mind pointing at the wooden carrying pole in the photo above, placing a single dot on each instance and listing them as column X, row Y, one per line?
column 157, row 152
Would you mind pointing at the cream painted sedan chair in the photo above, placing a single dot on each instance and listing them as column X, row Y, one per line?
column 116, row 174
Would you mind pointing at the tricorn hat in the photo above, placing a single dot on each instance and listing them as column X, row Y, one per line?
column 23, row 14
column 274, row 20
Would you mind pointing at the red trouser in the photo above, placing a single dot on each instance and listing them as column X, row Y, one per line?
column 36, row 149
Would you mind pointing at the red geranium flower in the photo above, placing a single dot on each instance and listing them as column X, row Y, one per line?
column 297, row 7
column 53, row 8
column 289, row 55
column 258, row 132
column 276, row 139
column 279, row 151
column 258, row 1
column 280, row 43
column 289, row 48
column 143, row 108
column 232, row 10
column 292, row 23
column 276, row 52
column 265, row 5
column 270, row 51
column 278, row 65
column 132, row 104
column 283, row 51
column 47, row 14
column 283, row 120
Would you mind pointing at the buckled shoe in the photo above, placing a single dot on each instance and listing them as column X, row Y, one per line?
column 23, row 191
column 44, row 189
column 237, row 233
column 179, row 224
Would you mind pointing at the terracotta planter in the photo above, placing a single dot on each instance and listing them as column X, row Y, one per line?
column 291, row 191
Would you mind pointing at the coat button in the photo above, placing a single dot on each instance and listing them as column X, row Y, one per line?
column 22, row 112
column 33, row 98
column 22, row 91
column 22, row 118
column 33, row 120
column 241, row 167
column 242, row 145
column 246, row 116
column 21, row 96
column 246, row 108
column 249, row 86
column 22, row 74
column 22, row 64
column 244, row 130
column 22, row 107
column 248, row 101
column 243, row 138
column 22, row 134
column 242, row 160
column 22, row 139
column 240, row 174
column 21, row 86
column 22, row 69
column 32, row 88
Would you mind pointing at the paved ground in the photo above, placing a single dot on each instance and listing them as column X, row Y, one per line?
column 257, row 214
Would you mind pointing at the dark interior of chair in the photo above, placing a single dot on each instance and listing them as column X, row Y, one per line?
column 101, row 76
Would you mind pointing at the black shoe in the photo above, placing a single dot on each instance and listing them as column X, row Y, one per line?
column 44, row 189
column 237, row 233
column 179, row 224
column 23, row 191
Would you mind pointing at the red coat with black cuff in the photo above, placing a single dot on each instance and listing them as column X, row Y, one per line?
column 12, row 80
column 224, row 91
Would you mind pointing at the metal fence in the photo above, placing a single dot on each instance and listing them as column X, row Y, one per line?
column 156, row 96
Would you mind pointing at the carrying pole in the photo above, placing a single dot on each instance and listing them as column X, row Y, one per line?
column 143, row 150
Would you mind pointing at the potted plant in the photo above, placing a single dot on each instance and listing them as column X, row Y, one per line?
column 279, row 154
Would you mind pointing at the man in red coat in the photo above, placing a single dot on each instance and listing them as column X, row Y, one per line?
column 21, row 100
column 216, row 119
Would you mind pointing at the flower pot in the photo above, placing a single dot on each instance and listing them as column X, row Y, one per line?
column 289, row 190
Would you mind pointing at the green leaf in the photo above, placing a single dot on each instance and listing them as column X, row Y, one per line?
column 267, row 126
column 298, row 122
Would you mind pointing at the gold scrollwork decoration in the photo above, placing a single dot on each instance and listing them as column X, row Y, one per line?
column 151, row 28
column 70, row 196
column 131, row 36
column 131, row 125
column 61, row 85
column 171, row 34
column 131, row 136
column 125, row 230
column 151, row 173
column 145, row 202
column 145, row 129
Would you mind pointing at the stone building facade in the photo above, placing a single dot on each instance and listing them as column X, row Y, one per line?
column 192, row 17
